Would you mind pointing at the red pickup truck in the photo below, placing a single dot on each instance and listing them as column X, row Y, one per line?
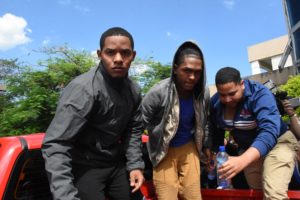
column 22, row 174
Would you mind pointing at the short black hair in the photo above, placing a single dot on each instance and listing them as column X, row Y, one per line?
column 227, row 75
column 113, row 32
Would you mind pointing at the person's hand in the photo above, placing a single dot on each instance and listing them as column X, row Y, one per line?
column 231, row 167
column 136, row 179
column 209, row 156
column 288, row 107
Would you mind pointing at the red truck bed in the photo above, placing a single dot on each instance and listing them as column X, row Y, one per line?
column 214, row 194
column 22, row 174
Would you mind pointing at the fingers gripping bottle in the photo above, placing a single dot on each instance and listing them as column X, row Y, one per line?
column 222, row 157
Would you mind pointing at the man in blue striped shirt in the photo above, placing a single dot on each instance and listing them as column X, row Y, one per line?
column 266, row 148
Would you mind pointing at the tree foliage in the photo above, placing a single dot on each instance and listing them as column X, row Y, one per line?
column 7, row 68
column 33, row 95
column 31, row 98
column 153, row 73
column 292, row 87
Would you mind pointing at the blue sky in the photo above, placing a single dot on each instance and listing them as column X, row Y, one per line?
column 223, row 28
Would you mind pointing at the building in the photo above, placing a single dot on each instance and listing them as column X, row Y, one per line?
column 266, row 56
column 292, row 16
column 265, row 59
column 269, row 60
column 279, row 58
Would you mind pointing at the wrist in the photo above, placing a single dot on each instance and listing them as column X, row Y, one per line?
column 293, row 115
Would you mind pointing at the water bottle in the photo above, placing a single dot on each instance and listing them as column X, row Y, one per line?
column 222, row 157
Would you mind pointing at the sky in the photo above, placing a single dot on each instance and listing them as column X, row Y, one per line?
column 223, row 29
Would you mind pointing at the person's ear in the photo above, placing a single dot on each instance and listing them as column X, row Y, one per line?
column 99, row 53
column 175, row 68
column 133, row 55
column 242, row 84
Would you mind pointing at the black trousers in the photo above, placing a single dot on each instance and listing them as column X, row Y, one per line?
column 98, row 184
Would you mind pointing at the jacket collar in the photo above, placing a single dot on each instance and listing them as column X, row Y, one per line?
column 116, row 83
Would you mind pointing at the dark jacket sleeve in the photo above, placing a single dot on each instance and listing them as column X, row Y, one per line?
column 216, row 134
column 207, row 142
column 71, row 114
column 134, row 142
column 134, row 135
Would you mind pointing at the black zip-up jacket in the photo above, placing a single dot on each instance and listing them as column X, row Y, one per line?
column 97, row 123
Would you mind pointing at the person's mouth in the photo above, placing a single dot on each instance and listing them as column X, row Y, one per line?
column 189, row 84
column 118, row 69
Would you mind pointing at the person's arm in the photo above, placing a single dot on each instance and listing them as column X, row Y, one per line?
column 295, row 126
column 70, row 118
column 207, row 141
column 152, row 108
column 135, row 163
column 264, row 108
column 216, row 134
column 268, row 127
column 235, row 164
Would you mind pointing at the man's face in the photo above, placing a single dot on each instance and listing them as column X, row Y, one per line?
column 188, row 73
column 116, row 55
column 231, row 93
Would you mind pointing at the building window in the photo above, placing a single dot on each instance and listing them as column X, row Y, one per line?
column 293, row 18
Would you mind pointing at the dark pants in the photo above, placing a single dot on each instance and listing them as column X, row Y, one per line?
column 98, row 184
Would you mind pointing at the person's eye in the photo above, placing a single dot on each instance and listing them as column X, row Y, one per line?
column 110, row 52
column 126, row 53
column 231, row 93
column 187, row 70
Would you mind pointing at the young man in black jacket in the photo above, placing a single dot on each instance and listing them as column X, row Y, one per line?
column 95, row 136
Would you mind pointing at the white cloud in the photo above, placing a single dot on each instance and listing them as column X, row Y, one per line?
column 46, row 42
column 171, row 35
column 28, row 30
column 229, row 4
column 64, row 2
column 13, row 31
column 73, row 5
column 138, row 69
column 82, row 9
column 94, row 54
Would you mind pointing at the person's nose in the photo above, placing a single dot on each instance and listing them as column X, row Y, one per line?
column 227, row 99
column 192, row 76
column 118, row 57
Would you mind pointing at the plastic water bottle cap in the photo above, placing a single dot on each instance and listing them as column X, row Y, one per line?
column 222, row 148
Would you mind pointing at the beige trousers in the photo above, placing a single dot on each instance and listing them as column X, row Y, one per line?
column 178, row 175
column 274, row 172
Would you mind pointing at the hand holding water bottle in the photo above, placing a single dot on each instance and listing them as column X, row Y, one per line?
column 222, row 157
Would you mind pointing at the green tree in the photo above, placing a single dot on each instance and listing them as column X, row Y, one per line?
column 7, row 68
column 34, row 94
column 292, row 87
column 4, row 102
column 153, row 72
